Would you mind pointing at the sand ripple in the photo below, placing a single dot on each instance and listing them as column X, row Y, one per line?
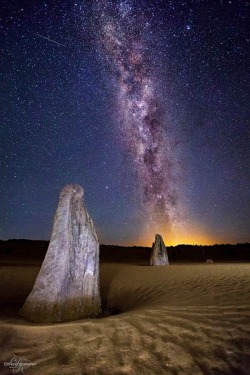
column 174, row 320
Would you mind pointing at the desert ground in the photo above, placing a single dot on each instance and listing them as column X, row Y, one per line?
column 177, row 319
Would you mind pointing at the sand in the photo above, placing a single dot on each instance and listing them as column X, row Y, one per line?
column 181, row 319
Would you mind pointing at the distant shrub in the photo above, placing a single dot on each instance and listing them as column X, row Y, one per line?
column 209, row 261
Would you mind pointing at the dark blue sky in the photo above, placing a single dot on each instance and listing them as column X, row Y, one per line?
column 61, row 122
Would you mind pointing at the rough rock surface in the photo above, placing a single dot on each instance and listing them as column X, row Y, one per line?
column 67, row 286
column 159, row 255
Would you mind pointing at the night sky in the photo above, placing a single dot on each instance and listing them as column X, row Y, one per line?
column 143, row 103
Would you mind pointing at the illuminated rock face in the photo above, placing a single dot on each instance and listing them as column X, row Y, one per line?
column 67, row 286
column 159, row 255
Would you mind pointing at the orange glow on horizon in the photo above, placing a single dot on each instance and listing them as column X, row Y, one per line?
column 182, row 240
column 180, row 236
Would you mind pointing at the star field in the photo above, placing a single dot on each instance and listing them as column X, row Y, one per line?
column 143, row 103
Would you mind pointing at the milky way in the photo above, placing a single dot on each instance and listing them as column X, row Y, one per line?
column 123, row 36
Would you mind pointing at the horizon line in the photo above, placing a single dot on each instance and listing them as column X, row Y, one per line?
column 116, row 245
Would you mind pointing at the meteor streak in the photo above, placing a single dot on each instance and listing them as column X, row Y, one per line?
column 51, row 40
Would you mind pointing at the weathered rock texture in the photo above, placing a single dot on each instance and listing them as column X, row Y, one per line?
column 67, row 286
column 159, row 255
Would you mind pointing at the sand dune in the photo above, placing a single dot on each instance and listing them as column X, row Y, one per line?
column 181, row 319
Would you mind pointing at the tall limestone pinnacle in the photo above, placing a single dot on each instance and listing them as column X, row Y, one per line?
column 67, row 286
column 159, row 255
